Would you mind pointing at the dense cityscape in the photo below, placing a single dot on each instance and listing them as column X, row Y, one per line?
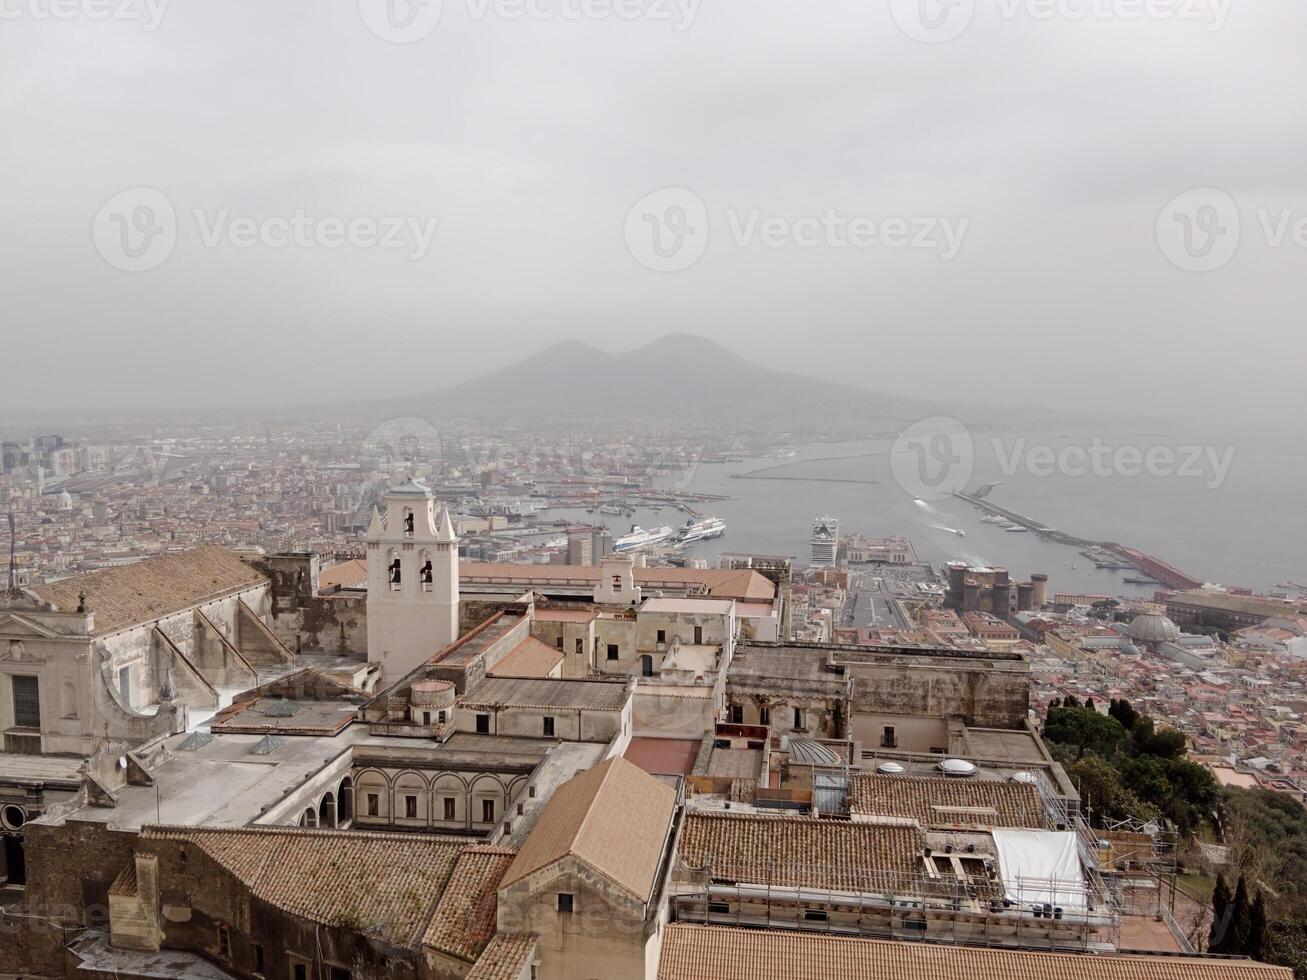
column 652, row 490
column 295, row 517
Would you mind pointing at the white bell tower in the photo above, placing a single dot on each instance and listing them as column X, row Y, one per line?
column 412, row 581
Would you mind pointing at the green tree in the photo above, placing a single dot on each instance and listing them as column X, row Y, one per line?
column 1071, row 701
column 1258, row 937
column 1240, row 930
column 1165, row 743
column 1103, row 795
column 1221, row 900
column 1183, row 791
column 1084, row 729
column 1125, row 713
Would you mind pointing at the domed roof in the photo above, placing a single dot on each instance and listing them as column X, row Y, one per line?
column 1152, row 628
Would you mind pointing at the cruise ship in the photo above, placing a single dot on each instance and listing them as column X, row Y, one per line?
column 825, row 542
column 640, row 538
column 709, row 527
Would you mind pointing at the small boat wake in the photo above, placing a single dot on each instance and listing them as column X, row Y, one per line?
column 951, row 530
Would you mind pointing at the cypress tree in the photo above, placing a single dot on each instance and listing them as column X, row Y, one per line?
column 1239, row 933
column 1221, row 899
column 1257, row 936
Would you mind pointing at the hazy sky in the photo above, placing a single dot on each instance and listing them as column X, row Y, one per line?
column 1010, row 192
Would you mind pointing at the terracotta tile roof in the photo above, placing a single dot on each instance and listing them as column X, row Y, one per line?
column 349, row 574
column 464, row 921
column 696, row 952
column 530, row 658
column 937, row 802
column 367, row 882
column 125, row 884
column 798, row 851
column 132, row 594
column 506, row 957
column 614, row 817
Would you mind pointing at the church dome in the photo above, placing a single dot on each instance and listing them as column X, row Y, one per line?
column 1152, row 628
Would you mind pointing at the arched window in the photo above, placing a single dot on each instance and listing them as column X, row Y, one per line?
column 394, row 573
column 327, row 811
column 425, row 572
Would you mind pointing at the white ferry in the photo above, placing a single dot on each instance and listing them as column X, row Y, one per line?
column 640, row 538
column 709, row 527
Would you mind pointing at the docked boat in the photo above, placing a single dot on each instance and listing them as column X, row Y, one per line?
column 709, row 527
column 640, row 538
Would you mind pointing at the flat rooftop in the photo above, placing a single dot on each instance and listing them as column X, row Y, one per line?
column 520, row 692
column 564, row 615
column 41, row 769
column 704, row 607
column 288, row 716
column 664, row 756
column 223, row 783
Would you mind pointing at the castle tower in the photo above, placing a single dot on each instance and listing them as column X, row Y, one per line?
column 412, row 581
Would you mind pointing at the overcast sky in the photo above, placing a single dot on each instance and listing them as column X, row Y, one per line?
column 1033, row 161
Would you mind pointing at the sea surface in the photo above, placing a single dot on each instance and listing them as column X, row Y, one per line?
column 1244, row 526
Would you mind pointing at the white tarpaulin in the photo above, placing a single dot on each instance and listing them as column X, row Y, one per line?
column 1040, row 867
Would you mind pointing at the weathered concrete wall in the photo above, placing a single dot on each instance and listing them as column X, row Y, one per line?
column 605, row 934
column 981, row 696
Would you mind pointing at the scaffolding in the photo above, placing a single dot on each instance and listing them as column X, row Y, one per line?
column 975, row 910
